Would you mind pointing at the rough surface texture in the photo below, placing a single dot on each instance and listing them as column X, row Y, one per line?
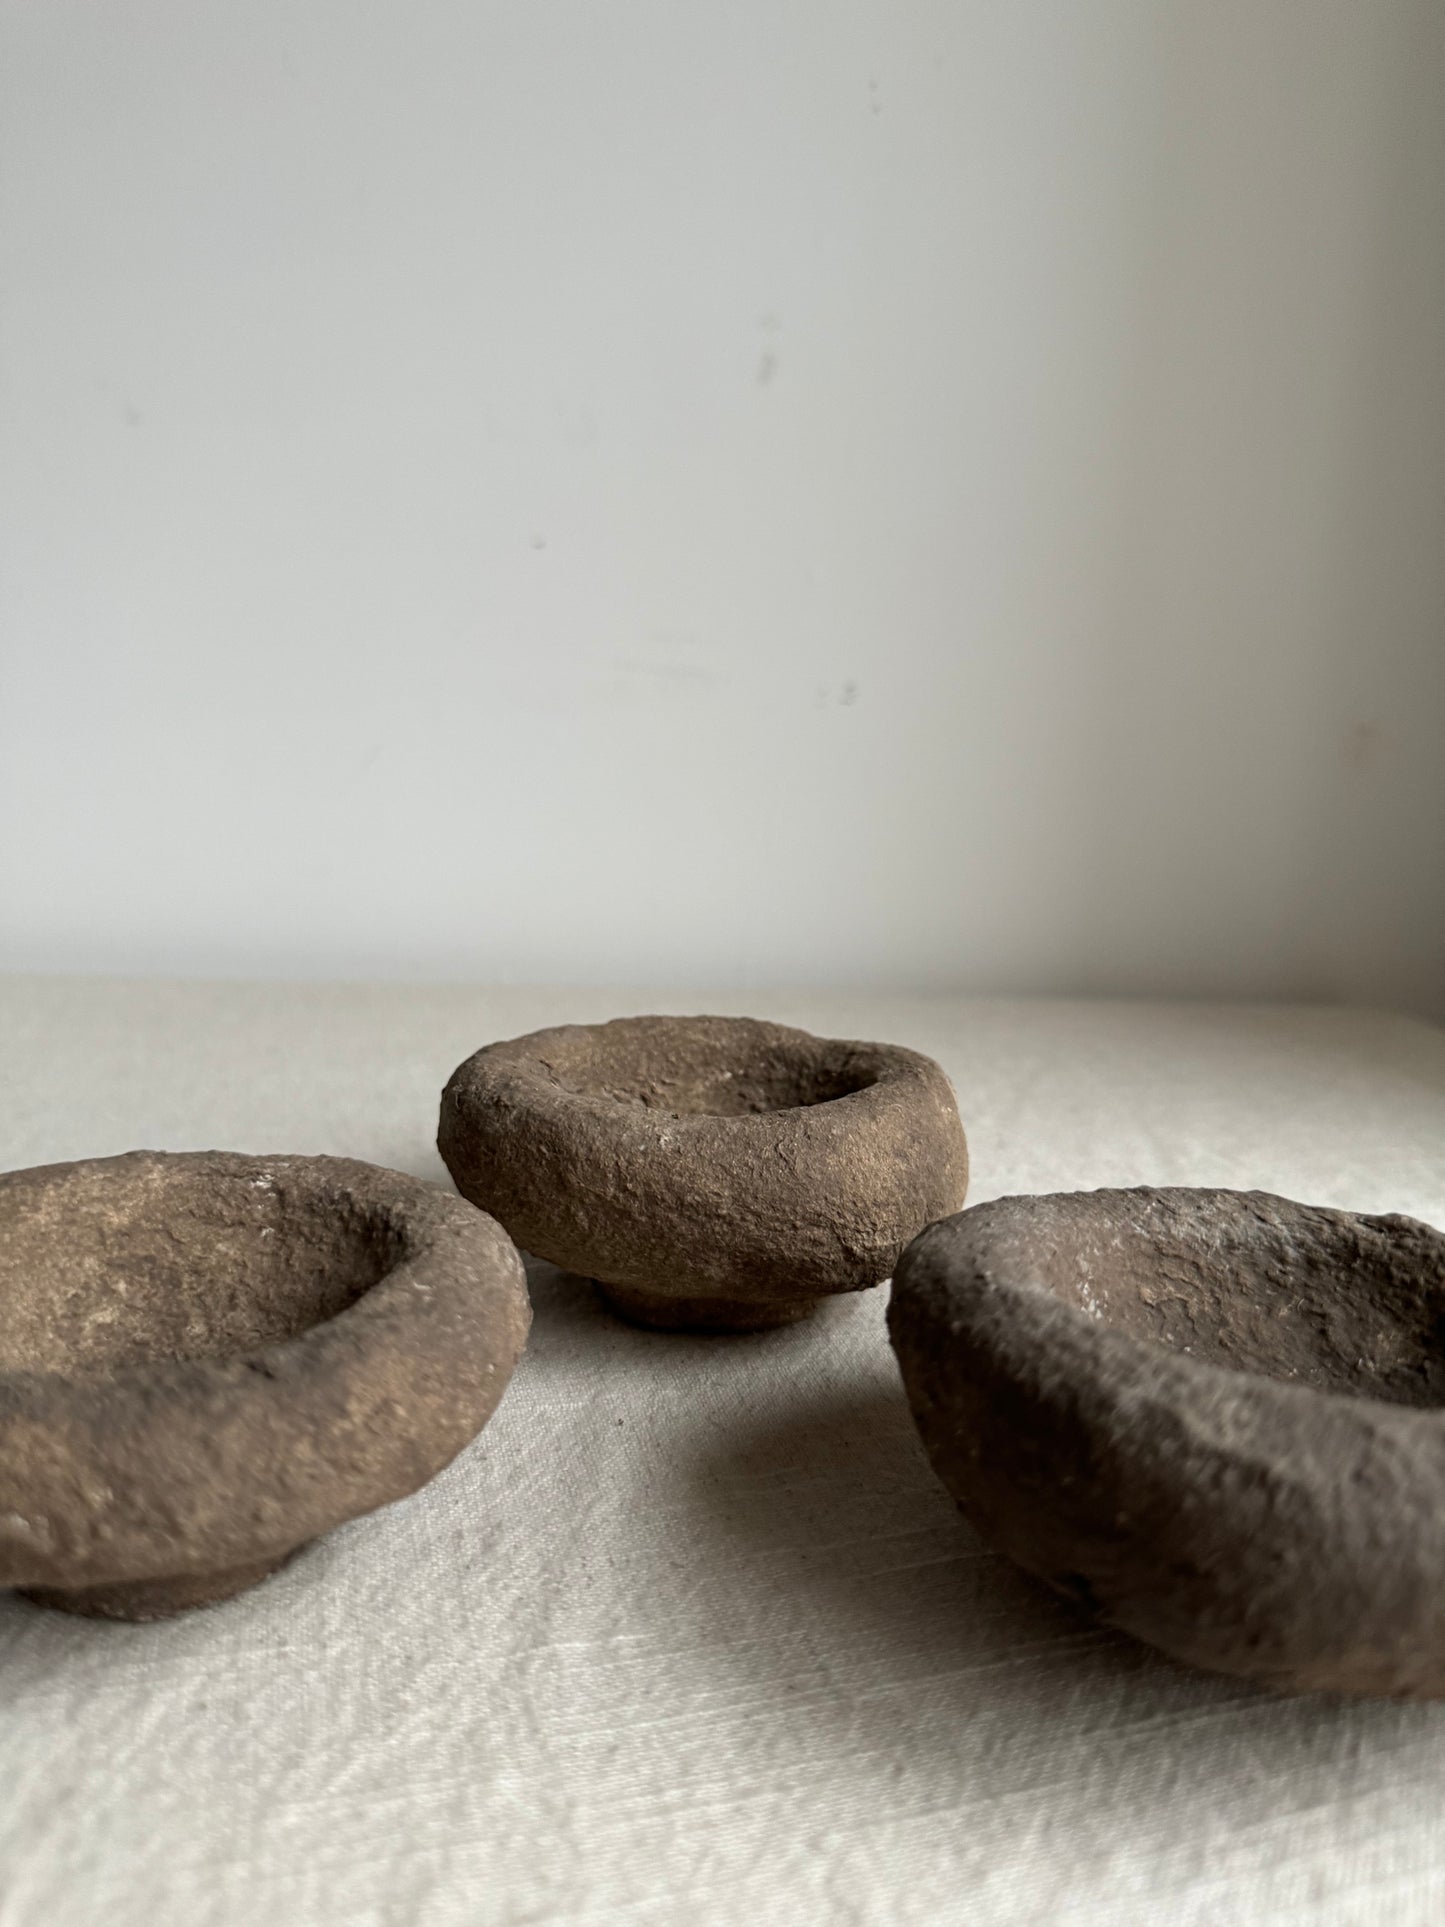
column 692, row 1633
column 716, row 1173
column 1213, row 1417
column 206, row 1360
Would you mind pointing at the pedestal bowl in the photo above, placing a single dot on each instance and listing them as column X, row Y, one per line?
column 711, row 1173
column 206, row 1360
column 1217, row 1418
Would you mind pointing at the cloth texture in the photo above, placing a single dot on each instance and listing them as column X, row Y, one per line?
column 691, row 1633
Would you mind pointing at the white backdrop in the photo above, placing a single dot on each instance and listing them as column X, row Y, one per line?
column 858, row 491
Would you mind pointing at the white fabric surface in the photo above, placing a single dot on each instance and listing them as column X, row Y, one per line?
column 691, row 1634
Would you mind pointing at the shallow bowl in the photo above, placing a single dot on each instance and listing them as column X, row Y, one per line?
column 206, row 1360
column 1215, row 1417
column 711, row 1173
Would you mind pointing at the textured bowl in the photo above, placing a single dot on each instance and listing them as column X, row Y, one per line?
column 711, row 1173
column 1215, row 1417
column 207, row 1360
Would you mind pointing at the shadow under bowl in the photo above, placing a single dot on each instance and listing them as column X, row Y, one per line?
column 207, row 1360
column 1215, row 1417
column 711, row 1173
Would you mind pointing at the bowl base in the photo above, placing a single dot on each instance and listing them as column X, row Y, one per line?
column 684, row 1312
column 144, row 1599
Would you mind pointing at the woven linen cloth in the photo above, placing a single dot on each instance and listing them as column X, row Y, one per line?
column 691, row 1634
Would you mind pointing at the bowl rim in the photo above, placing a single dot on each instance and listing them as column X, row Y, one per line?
column 520, row 1060
column 1150, row 1366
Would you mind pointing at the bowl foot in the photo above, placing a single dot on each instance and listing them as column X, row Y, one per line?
column 143, row 1599
column 680, row 1312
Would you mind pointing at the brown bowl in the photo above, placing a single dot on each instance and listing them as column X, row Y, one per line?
column 1215, row 1417
column 206, row 1360
column 711, row 1173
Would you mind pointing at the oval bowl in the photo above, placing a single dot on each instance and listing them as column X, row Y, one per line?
column 1214, row 1417
column 206, row 1360
column 711, row 1173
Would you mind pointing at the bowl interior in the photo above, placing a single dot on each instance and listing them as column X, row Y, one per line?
column 1317, row 1298
column 147, row 1262
column 713, row 1067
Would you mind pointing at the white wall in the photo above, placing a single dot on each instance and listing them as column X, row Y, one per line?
column 840, row 490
